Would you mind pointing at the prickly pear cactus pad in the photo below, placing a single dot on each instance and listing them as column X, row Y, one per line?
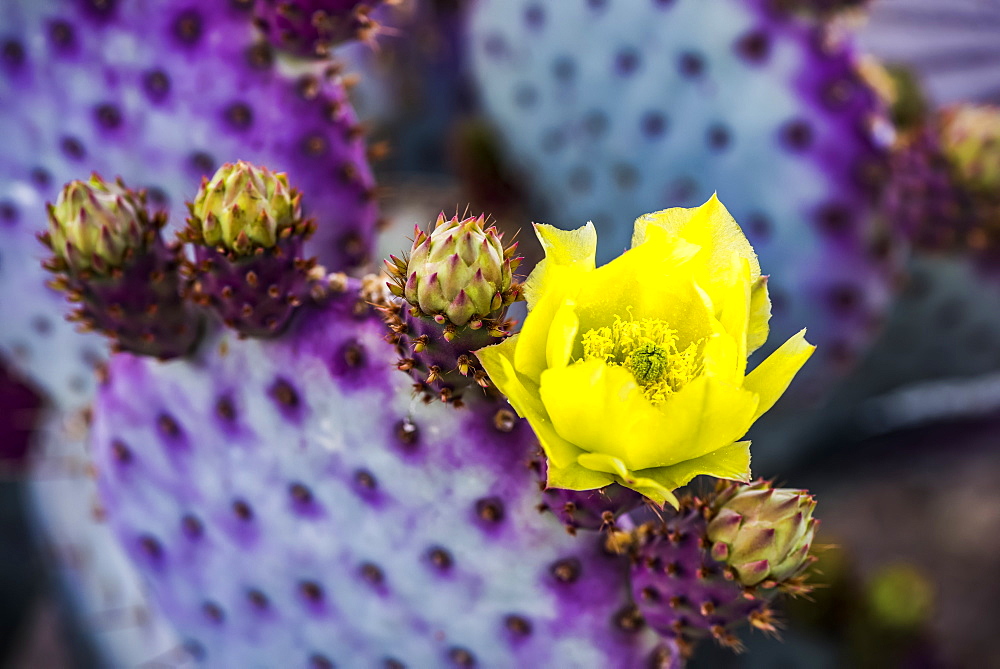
column 163, row 92
column 104, row 588
column 290, row 503
column 618, row 108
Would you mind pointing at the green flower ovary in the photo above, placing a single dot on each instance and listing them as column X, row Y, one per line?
column 648, row 349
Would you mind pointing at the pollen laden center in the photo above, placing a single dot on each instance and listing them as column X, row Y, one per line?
column 648, row 349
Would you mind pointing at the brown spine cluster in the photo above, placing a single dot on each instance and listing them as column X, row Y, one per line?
column 440, row 359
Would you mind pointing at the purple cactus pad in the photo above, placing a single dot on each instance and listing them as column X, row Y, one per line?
column 256, row 294
column 162, row 92
column 288, row 499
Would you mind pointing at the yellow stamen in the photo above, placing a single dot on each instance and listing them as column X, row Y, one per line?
column 648, row 349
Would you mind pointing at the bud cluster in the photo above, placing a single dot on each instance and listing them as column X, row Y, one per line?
column 247, row 230
column 109, row 257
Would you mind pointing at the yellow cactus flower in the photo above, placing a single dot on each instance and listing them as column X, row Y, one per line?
column 635, row 371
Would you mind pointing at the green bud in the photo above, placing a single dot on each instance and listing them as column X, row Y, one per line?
column 459, row 273
column 96, row 226
column 970, row 136
column 763, row 533
column 244, row 207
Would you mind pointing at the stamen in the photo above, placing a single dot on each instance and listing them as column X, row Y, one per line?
column 648, row 349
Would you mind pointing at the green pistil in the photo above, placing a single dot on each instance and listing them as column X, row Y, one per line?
column 648, row 363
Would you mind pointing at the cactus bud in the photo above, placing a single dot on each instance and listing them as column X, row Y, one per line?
column 763, row 533
column 248, row 233
column 970, row 137
column 110, row 259
column 245, row 207
column 456, row 273
column 96, row 226
column 458, row 281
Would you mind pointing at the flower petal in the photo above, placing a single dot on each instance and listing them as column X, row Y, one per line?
column 577, row 477
column 522, row 393
column 649, row 281
column 562, row 336
column 729, row 462
column 644, row 486
column 705, row 415
column 601, row 409
column 709, row 226
column 760, row 315
column 529, row 357
column 732, row 307
column 772, row 376
column 721, row 359
column 594, row 406
column 571, row 248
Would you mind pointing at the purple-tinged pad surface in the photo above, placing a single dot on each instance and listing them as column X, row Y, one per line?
column 586, row 509
column 289, row 502
column 952, row 45
column 139, row 305
column 310, row 27
column 680, row 590
column 105, row 591
column 257, row 307
column 161, row 93
column 618, row 109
